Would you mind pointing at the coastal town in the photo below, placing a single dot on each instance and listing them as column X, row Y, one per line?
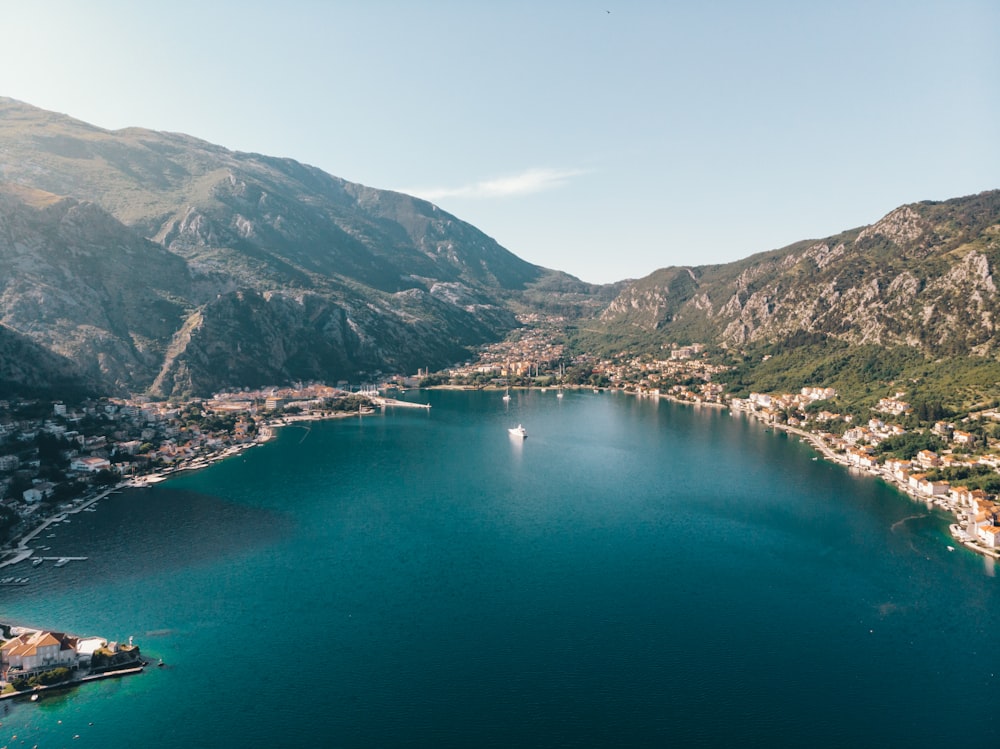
column 58, row 459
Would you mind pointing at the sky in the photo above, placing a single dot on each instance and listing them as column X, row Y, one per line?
column 603, row 138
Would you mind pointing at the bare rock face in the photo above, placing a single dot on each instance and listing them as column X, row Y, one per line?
column 923, row 276
column 158, row 262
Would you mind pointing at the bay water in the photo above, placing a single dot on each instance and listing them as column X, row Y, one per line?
column 634, row 573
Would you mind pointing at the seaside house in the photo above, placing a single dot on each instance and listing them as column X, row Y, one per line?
column 989, row 535
column 867, row 460
column 933, row 488
column 34, row 652
column 896, row 467
column 961, row 495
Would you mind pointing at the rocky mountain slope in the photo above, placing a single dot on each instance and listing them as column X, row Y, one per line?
column 921, row 277
column 157, row 261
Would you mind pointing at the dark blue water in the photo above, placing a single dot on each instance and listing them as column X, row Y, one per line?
column 633, row 574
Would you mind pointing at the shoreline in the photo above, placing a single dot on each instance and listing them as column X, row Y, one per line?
column 16, row 550
column 35, row 692
column 955, row 529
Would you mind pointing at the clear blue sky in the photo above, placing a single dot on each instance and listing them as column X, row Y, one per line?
column 606, row 144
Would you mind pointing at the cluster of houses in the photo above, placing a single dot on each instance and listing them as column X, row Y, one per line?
column 651, row 376
column 531, row 351
column 128, row 437
column 978, row 512
column 774, row 408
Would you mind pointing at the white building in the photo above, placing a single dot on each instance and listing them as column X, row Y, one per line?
column 34, row 652
column 89, row 464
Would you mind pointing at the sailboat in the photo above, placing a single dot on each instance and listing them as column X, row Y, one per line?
column 506, row 395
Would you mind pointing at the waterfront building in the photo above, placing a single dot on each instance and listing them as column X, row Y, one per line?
column 33, row 652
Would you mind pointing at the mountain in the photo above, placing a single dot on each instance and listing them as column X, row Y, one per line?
column 142, row 261
column 159, row 262
column 908, row 303
column 921, row 277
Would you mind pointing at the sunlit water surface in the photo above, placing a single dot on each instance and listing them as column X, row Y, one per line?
column 634, row 573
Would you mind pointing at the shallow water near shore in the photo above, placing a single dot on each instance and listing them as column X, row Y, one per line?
column 634, row 573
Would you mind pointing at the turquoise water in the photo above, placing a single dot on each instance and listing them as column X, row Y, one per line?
column 633, row 574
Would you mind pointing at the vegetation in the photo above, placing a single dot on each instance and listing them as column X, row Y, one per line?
column 862, row 375
column 906, row 446
column 44, row 679
column 971, row 477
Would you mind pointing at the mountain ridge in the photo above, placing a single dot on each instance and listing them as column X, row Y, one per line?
column 922, row 276
column 161, row 263
column 270, row 248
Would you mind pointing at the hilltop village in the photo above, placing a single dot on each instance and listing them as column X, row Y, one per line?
column 58, row 458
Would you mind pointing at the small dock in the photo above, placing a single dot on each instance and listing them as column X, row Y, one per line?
column 392, row 402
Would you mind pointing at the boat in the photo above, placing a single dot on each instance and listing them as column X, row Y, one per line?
column 506, row 395
column 560, row 393
column 518, row 431
column 36, row 562
column 951, row 548
column 62, row 562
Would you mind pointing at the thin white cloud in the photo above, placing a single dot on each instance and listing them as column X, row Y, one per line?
column 527, row 182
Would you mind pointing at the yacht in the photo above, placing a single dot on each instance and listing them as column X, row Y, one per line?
column 518, row 431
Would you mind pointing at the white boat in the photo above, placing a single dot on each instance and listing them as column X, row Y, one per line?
column 559, row 394
column 518, row 431
column 506, row 395
column 62, row 562
column 36, row 562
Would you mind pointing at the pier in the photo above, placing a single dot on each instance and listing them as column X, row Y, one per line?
column 21, row 551
column 393, row 402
